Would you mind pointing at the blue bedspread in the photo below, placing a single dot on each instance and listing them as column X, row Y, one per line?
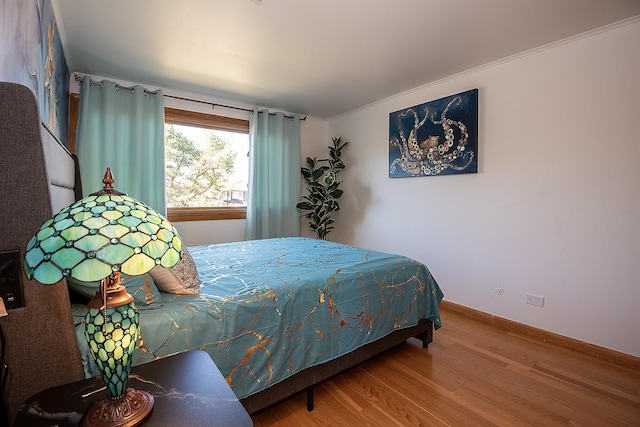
column 270, row 308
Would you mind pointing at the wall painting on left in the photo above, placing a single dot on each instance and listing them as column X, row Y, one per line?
column 31, row 54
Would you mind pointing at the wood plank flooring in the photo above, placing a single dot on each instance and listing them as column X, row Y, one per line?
column 473, row 374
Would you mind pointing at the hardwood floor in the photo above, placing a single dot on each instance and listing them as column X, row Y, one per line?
column 473, row 374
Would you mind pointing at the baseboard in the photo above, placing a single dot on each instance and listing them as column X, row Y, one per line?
column 623, row 359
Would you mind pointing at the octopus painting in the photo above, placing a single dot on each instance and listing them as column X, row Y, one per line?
column 435, row 138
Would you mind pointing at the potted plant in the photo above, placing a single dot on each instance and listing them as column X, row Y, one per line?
column 323, row 186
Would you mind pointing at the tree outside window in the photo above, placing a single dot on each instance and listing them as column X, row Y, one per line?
column 205, row 168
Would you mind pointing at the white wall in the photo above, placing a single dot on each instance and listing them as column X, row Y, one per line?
column 555, row 205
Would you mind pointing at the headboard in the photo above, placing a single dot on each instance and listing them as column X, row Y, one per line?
column 62, row 172
column 38, row 177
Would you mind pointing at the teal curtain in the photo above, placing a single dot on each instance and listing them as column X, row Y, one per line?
column 274, row 176
column 122, row 128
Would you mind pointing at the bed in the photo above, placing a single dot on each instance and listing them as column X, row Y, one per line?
column 280, row 315
column 277, row 315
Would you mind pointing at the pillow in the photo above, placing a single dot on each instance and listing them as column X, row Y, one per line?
column 144, row 291
column 181, row 279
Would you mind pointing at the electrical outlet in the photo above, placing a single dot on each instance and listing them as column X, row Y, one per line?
column 11, row 279
column 536, row 300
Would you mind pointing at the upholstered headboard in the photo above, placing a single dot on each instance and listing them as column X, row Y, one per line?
column 62, row 172
column 38, row 177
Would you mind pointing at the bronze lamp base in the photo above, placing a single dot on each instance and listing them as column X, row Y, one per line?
column 127, row 410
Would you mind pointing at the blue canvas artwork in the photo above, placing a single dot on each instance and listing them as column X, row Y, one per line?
column 435, row 138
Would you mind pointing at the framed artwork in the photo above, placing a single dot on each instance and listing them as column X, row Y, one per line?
column 435, row 138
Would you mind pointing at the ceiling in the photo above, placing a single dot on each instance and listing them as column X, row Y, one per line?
column 320, row 58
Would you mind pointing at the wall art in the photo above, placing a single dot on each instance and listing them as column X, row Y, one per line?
column 435, row 138
column 31, row 54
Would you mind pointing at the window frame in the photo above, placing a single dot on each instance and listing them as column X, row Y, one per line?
column 175, row 116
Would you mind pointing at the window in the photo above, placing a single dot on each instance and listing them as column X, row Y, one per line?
column 207, row 166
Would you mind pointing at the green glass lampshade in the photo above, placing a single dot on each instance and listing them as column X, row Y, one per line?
column 100, row 234
column 95, row 239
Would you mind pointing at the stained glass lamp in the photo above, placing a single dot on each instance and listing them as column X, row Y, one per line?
column 94, row 239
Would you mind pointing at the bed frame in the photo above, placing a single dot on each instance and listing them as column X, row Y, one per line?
column 308, row 378
column 39, row 177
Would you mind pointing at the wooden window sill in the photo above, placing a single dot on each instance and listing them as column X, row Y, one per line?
column 206, row 214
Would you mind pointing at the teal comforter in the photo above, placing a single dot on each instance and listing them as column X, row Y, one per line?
column 270, row 308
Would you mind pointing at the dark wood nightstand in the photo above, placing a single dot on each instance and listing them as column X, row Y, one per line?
column 188, row 389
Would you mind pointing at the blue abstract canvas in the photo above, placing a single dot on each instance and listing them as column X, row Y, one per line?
column 435, row 138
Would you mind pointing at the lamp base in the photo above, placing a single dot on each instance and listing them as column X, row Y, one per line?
column 127, row 410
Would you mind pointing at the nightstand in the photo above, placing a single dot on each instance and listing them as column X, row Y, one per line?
column 188, row 389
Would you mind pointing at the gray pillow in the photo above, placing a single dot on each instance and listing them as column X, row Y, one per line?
column 181, row 279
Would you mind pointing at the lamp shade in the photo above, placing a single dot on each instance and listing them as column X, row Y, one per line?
column 101, row 234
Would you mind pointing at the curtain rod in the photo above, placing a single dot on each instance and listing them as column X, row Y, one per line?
column 79, row 78
column 214, row 105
